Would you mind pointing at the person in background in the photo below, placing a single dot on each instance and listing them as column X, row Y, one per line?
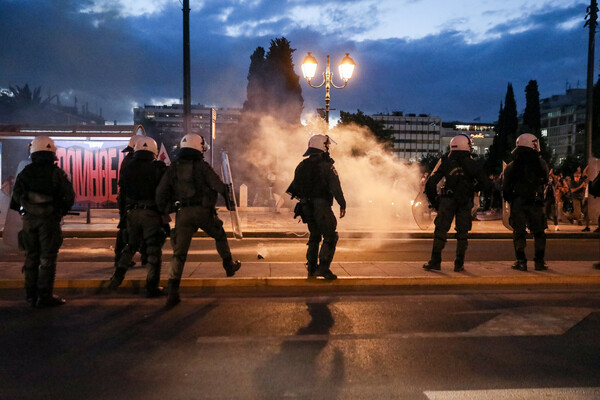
column 550, row 204
column 577, row 187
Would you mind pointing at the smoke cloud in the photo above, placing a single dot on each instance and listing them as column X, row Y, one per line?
column 378, row 188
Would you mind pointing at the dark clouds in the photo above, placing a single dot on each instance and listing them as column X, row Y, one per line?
column 113, row 62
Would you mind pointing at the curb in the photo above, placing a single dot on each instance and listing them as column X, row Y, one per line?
column 344, row 284
column 73, row 234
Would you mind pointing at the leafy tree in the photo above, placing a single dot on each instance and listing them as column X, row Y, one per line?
column 429, row 161
column 383, row 134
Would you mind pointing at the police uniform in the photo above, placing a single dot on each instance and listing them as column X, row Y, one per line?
column 523, row 187
column 122, row 226
column 316, row 183
column 190, row 187
column 464, row 176
column 43, row 194
column 137, row 184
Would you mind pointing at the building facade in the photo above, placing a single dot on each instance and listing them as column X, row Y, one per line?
column 481, row 134
column 169, row 119
column 415, row 136
column 563, row 123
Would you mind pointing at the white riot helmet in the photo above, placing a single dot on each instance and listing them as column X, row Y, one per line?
column 460, row 143
column 131, row 144
column 146, row 143
column 42, row 143
column 194, row 141
column 528, row 140
column 319, row 142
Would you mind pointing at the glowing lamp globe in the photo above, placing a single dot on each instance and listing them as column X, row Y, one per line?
column 346, row 67
column 309, row 67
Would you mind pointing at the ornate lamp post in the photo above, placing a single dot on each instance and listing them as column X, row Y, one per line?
column 309, row 67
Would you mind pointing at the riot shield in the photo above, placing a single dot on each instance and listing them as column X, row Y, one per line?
column 230, row 199
column 12, row 226
column 422, row 214
column 505, row 206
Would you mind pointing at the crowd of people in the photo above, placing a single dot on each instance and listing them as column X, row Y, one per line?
column 565, row 199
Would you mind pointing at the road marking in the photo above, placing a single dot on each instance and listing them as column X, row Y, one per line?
column 518, row 394
column 523, row 321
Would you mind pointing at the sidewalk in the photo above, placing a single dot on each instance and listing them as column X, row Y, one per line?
column 263, row 276
column 264, row 222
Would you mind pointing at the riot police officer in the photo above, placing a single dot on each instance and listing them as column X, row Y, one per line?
column 190, row 186
column 464, row 177
column 137, row 185
column 121, row 227
column 523, row 187
column 43, row 195
column 316, row 183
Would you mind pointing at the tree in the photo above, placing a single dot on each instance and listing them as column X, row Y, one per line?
column 383, row 134
column 506, row 133
column 531, row 117
column 511, row 120
column 273, row 86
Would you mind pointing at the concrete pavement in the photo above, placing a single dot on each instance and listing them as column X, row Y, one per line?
column 263, row 276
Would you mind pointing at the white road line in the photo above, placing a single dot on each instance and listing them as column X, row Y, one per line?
column 518, row 394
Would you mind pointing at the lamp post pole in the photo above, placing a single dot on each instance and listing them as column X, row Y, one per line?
column 309, row 67
column 327, row 89
column 592, row 18
column 187, row 101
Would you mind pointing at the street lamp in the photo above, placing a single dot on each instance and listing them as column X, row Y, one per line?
column 309, row 68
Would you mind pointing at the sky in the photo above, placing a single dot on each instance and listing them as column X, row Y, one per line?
column 449, row 59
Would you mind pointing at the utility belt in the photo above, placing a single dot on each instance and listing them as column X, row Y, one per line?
column 187, row 203
column 141, row 205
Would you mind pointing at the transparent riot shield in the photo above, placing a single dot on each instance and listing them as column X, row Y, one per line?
column 422, row 214
column 230, row 199
column 505, row 206
column 12, row 226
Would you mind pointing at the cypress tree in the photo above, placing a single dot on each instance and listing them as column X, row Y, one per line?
column 531, row 116
column 510, row 120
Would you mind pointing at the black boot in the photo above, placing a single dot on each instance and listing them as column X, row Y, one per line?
column 45, row 288
column 459, row 264
column 520, row 265
column 231, row 266
column 435, row 262
column 51, row 301
column 540, row 265
column 154, row 291
column 117, row 278
column 324, row 272
column 311, row 267
column 32, row 295
column 173, row 293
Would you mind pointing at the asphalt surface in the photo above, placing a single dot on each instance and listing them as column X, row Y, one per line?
column 475, row 345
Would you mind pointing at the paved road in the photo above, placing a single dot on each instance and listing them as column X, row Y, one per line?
column 275, row 250
column 477, row 345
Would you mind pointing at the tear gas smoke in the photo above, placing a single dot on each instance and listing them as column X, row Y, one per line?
column 379, row 189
